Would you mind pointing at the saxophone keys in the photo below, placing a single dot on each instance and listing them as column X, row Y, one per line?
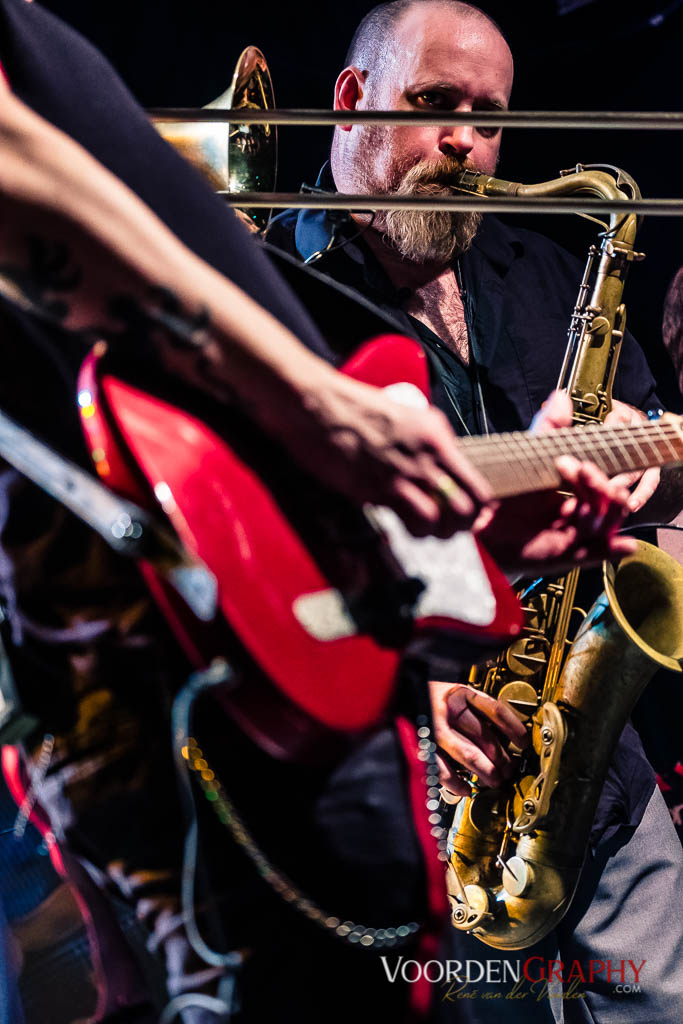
column 517, row 877
column 600, row 325
column 527, row 656
column 521, row 697
column 524, row 801
column 470, row 911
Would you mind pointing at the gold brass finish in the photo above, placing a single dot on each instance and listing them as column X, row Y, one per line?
column 634, row 627
column 237, row 157
column 518, row 850
column 599, row 318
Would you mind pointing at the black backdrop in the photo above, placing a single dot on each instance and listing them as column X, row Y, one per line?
column 602, row 55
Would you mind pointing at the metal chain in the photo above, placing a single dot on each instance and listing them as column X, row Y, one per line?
column 348, row 931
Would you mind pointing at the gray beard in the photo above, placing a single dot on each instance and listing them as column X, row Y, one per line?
column 429, row 237
column 423, row 236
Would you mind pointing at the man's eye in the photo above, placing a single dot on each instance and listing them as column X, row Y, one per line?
column 432, row 100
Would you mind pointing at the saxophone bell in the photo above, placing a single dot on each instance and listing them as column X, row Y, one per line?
column 634, row 627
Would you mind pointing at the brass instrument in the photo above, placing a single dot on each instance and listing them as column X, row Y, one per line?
column 237, row 157
column 517, row 851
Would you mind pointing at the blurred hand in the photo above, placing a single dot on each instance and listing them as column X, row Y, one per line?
column 549, row 532
column 646, row 482
column 360, row 441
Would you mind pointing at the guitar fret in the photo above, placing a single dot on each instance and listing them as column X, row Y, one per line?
column 624, row 451
column 671, row 447
column 518, row 462
column 639, row 449
column 605, row 459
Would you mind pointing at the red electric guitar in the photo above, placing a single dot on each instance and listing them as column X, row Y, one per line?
column 322, row 602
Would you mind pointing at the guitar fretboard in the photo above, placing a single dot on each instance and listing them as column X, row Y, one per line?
column 519, row 463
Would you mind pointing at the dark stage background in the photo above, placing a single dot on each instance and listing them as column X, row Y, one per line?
column 571, row 54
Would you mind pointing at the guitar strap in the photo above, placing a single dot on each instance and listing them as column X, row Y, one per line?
column 123, row 525
column 127, row 528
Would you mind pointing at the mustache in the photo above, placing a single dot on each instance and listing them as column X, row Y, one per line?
column 432, row 176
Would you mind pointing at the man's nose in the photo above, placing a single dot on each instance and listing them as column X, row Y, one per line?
column 457, row 140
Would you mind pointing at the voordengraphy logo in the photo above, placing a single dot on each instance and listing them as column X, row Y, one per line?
column 535, row 976
column 464, row 972
column 622, row 971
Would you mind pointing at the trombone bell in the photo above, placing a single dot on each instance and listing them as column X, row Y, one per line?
column 236, row 157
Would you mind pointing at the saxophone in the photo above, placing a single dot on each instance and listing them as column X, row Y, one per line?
column 516, row 853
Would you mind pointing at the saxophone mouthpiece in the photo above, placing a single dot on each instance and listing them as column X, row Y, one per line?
column 480, row 184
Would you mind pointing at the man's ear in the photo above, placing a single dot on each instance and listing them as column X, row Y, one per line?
column 348, row 92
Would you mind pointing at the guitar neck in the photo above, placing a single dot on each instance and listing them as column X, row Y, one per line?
column 519, row 463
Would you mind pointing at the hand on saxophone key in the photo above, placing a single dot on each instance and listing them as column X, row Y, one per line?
column 475, row 730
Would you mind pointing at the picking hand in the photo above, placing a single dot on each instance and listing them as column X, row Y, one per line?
column 359, row 441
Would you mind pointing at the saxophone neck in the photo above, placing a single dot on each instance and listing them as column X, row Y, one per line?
column 582, row 179
column 602, row 181
column 599, row 318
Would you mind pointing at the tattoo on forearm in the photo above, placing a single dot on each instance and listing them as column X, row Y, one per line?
column 50, row 286
column 51, row 266
column 182, row 341
column 49, row 269
column 162, row 313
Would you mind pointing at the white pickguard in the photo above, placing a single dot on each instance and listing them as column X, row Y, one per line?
column 456, row 583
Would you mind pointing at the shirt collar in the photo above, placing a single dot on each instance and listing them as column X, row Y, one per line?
column 314, row 228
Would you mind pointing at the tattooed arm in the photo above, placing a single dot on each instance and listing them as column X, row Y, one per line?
column 78, row 244
column 96, row 255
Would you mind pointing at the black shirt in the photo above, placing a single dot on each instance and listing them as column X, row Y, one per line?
column 519, row 292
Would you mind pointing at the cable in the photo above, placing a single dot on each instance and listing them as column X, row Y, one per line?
column 180, row 1003
column 333, row 246
column 650, row 526
column 219, row 672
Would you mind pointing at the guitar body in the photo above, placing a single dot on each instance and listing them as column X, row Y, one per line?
column 284, row 591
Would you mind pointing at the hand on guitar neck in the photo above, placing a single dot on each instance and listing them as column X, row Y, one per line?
column 655, row 495
column 472, row 729
column 548, row 531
